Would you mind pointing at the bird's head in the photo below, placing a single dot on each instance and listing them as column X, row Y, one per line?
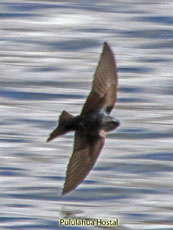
column 110, row 123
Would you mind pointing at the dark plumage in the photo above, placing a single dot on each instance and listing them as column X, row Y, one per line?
column 92, row 124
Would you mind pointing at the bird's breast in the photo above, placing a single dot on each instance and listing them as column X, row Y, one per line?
column 90, row 126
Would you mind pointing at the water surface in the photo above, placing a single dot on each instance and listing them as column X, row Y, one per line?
column 49, row 51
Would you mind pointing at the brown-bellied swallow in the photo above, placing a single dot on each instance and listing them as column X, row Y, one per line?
column 92, row 124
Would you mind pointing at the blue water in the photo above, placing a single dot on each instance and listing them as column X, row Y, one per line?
column 48, row 54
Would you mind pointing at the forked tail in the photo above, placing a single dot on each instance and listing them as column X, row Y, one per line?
column 60, row 130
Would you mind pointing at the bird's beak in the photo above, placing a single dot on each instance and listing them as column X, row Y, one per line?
column 53, row 135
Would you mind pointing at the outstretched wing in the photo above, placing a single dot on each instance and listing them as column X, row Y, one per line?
column 104, row 89
column 85, row 154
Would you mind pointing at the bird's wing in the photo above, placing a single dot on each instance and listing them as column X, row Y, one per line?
column 85, row 154
column 104, row 88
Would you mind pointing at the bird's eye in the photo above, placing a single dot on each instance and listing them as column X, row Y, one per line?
column 114, row 124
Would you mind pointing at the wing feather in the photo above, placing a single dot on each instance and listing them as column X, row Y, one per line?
column 82, row 160
column 104, row 85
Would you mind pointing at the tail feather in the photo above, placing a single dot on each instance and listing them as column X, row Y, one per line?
column 60, row 130
column 64, row 116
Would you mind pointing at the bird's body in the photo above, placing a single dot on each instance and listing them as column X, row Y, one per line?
column 92, row 124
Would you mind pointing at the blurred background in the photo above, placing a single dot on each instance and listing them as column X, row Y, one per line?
column 48, row 54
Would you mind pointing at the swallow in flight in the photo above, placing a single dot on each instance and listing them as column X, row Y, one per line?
column 93, row 122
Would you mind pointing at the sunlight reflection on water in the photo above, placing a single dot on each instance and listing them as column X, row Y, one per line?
column 49, row 51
